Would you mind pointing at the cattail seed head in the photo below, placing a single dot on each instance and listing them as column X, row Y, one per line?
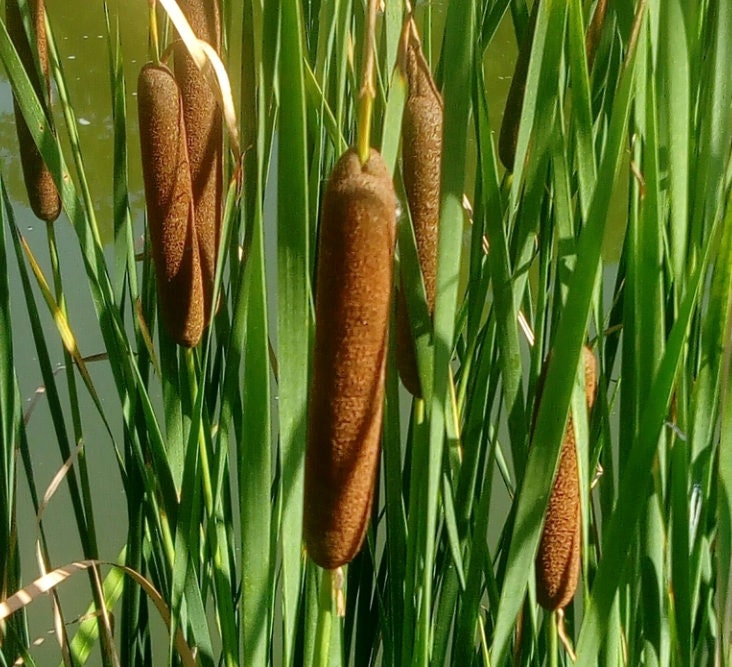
column 42, row 193
column 558, row 559
column 353, row 292
column 169, row 201
column 204, row 132
column 421, row 159
column 508, row 137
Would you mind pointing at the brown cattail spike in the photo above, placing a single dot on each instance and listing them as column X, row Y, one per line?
column 514, row 103
column 169, row 200
column 204, row 131
column 421, row 158
column 558, row 559
column 353, row 292
column 42, row 192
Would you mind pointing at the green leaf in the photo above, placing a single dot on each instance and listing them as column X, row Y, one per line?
column 294, row 318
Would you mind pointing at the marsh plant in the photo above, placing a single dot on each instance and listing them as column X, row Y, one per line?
column 471, row 510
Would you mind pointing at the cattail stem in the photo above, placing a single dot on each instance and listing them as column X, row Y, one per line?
column 153, row 20
column 325, row 620
column 553, row 643
column 368, row 90
column 202, row 451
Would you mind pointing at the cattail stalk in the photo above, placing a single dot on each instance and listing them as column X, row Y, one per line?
column 368, row 90
column 421, row 159
column 353, row 292
column 204, row 132
column 169, row 198
column 42, row 193
column 558, row 559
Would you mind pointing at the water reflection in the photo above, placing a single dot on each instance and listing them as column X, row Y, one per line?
column 80, row 33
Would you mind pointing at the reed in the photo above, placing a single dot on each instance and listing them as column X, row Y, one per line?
column 558, row 559
column 204, row 132
column 169, row 199
column 353, row 292
column 421, row 160
column 42, row 193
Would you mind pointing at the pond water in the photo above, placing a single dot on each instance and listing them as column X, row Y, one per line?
column 80, row 33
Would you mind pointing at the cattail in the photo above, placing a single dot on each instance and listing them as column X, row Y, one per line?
column 421, row 157
column 42, row 192
column 514, row 103
column 204, row 137
column 353, row 292
column 169, row 200
column 558, row 559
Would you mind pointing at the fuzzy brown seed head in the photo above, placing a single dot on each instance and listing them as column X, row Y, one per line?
column 42, row 193
column 205, row 137
column 421, row 159
column 558, row 559
column 169, row 201
column 508, row 137
column 353, row 291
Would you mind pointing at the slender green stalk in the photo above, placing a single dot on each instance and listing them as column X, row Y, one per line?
column 325, row 620
column 553, row 640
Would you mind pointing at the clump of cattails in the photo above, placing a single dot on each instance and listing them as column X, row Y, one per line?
column 204, row 135
column 558, row 559
column 421, row 158
column 181, row 136
column 353, row 292
column 170, row 208
column 42, row 192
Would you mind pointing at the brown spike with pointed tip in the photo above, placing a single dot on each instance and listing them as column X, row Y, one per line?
column 204, row 130
column 558, row 559
column 169, row 199
column 353, row 293
column 42, row 193
column 421, row 160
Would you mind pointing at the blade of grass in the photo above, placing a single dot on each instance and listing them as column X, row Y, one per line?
column 581, row 106
column 720, row 354
column 255, row 457
column 294, row 324
column 675, row 106
column 396, row 525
